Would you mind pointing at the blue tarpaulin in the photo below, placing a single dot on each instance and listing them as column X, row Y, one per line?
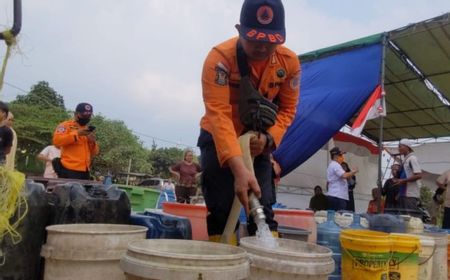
column 332, row 90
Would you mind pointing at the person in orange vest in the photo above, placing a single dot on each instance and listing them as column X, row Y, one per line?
column 78, row 144
column 250, row 82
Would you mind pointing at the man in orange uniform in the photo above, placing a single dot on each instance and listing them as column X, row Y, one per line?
column 78, row 145
column 250, row 82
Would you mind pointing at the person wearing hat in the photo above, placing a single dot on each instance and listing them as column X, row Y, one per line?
column 78, row 144
column 409, row 198
column 249, row 82
column 337, row 181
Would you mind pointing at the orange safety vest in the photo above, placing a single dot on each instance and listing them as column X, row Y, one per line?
column 280, row 78
column 76, row 151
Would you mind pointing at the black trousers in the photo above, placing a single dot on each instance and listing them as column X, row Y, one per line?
column 446, row 220
column 184, row 193
column 218, row 188
column 63, row 172
column 351, row 201
column 336, row 203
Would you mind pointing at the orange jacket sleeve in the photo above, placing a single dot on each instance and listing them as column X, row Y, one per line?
column 218, row 109
column 64, row 136
column 288, row 98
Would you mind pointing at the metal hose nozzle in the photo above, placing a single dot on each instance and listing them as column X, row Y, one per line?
column 256, row 209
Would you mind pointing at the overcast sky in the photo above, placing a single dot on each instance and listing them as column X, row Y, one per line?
column 140, row 60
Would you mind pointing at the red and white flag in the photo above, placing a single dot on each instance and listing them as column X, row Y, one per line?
column 374, row 108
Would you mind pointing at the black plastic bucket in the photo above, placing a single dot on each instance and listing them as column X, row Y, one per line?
column 73, row 203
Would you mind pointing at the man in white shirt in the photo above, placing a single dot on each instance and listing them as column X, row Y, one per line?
column 442, row 182
column 337, row 181
column 413, row 175
column 47, row 155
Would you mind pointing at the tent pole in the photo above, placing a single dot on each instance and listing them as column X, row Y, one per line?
column 380, row 137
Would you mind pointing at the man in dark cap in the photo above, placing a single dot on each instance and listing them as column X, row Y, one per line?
column 78, row 144
column 250, row 82
column 337, row 181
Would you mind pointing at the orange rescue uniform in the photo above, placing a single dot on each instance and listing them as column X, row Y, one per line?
column 76, row 151
column 277, row 78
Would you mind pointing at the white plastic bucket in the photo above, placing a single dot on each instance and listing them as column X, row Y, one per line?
column 171, row 259
column 87, row 251
column 426, row 255
column 439, row 271
column 291, row 260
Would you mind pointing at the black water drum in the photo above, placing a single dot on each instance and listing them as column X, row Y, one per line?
column 22, row 260
column 77, row 203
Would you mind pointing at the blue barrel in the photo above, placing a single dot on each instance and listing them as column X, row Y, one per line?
column 76, row 203
column 328, row 236
column 165, row 196
column 22, row 259
column 162, row 225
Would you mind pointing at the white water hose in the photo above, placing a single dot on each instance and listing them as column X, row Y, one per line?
column 233, row 218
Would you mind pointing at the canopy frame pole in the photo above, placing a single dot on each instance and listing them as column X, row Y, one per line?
column 17, row 25
column 380, row 137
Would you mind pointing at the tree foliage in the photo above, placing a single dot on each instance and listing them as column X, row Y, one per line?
column 117, row 146
column 34, row 127
column 42, row 95
column 163, row 158
column 426, row 196
column 39, row 112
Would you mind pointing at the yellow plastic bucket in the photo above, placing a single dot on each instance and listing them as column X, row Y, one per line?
column 404, row 263
column 365, row 254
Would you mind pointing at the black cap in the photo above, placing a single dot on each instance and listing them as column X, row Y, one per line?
column 84, row 108
column 336, row 151
column 4, row 107
column 263, row 21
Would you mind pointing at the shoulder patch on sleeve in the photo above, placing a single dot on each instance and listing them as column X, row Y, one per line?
column 294, row 83
column 221, row 74
column 60, row 129
column 223, row 67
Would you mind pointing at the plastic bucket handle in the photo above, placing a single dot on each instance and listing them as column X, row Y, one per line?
column 431, row 255
column 413, row 251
